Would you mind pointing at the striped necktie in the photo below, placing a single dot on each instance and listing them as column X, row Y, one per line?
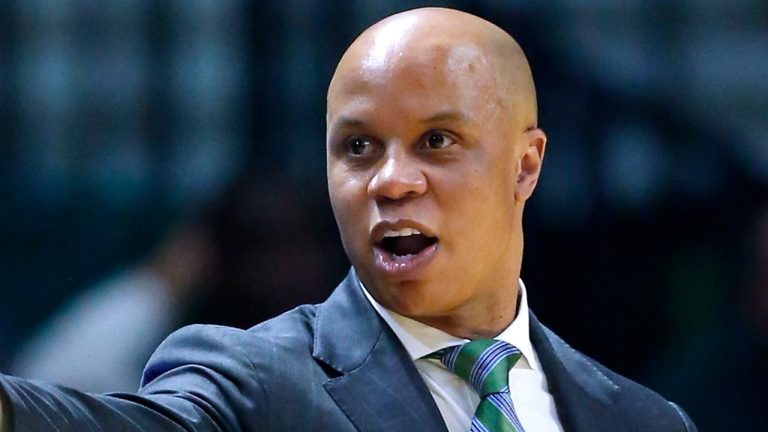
column 485, row 365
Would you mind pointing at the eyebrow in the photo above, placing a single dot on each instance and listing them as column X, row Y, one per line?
column 345, row 121
column 448, row 115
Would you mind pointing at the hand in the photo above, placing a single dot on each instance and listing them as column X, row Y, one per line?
column 4, row 418
column 2, row 421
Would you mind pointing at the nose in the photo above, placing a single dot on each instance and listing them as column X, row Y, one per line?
column 399, row 177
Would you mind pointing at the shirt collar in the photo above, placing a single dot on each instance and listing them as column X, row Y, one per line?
column 420, row 339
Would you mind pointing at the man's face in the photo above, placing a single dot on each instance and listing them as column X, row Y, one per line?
column 423, row 158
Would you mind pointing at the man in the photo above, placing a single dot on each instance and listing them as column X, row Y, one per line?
column 433, row 150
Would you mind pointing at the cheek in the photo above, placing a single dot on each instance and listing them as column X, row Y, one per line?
column 474, row 190
column 481, row 202
column 349, row 201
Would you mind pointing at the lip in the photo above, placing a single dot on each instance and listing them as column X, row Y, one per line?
column 378, row 231
column 407, row 267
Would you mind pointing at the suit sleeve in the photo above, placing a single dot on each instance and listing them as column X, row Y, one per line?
column 689, row 425
column 198, row 379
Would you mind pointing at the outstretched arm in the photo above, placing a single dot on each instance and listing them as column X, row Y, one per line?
column 199, row 379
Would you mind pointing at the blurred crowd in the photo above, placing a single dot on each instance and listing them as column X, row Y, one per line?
column 259, row 250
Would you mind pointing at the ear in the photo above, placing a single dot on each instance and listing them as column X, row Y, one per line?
column 535, row 142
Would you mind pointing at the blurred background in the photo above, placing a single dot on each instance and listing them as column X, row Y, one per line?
column 162, row 162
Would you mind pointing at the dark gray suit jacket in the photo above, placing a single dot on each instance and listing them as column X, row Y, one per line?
column 331, row 367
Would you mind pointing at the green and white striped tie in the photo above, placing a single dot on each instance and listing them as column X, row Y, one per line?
column 485, row 365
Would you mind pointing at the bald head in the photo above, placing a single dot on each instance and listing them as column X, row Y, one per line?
column 442, row 38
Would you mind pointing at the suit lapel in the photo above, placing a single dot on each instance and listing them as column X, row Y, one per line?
column 378, row 387
column 583, row 395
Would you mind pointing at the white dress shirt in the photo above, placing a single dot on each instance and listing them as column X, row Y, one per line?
column 455, row 398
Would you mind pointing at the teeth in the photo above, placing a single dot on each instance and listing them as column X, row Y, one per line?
column 402, row 233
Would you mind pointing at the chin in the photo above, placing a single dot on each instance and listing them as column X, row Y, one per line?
column 412, row 298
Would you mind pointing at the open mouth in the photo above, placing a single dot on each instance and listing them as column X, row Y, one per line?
column 405, row 242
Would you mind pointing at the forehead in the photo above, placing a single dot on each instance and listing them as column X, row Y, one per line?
column 421, row 76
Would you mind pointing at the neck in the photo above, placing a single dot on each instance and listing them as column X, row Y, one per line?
column 482, row 321
column 492, row 310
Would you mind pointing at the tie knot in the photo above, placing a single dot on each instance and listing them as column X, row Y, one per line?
column 483, row 363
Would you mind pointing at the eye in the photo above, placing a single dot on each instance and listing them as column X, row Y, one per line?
column 359, row 146
column 438, row 140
